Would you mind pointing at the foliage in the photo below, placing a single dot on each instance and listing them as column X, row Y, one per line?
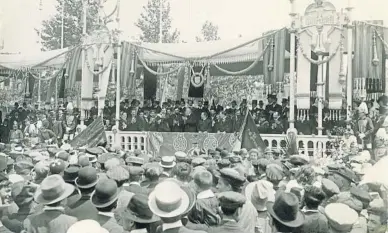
column 73, row 23
column 209, row 32
column 149, row 24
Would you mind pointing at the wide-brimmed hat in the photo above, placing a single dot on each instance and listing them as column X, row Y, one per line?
column 87, row 178
column 87, row 226
column 285, row 209
column 105, row 193
column 340, row 217
column 138, row 210
column 53, row 189
column 259, row 193
column 168, row 200
column 167, row 162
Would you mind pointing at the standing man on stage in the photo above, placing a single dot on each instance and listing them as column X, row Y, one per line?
column 70, row 124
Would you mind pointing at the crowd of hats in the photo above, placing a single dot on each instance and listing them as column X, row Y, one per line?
column 58, row 172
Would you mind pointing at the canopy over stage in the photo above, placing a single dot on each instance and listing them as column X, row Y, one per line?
column 42, row 60
column 267, row 56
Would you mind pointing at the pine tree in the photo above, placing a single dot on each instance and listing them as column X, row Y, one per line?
column 73, row 23
column 209, row 32
column 150, row 26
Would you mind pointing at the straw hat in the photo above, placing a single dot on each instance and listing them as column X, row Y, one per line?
column 168, row 200
column 87, row 226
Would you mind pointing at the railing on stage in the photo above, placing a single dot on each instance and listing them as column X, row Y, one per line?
column 310, row 144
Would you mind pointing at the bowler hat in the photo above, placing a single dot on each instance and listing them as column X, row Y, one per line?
column 52, row 190
column 138, row 210
column 105, row 194
column 87, row 178
column 285, row 209
column 70, row 174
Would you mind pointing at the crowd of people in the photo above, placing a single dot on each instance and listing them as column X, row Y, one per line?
column 105, row 189
column 55, row 188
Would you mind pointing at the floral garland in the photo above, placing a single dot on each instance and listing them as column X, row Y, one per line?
column 325, row 60
column 97, row 72
column 249, row 67
column 381, row 38
column 60, row 70
column 158, row 73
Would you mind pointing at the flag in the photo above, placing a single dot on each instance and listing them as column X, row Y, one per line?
column 249, row 134
column 93, row 135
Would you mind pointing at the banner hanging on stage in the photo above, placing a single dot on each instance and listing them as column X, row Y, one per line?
column 164, row 144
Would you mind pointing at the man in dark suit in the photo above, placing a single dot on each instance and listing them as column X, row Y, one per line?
column 223, row 124
column 272, row 107
column 133, row 122
column 205, row 124
column 53, row 218
column 86, row 182
column 176, row 121
column 135, row 177
column 190, row 122
column 108, row 189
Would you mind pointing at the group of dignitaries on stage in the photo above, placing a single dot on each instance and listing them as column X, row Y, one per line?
column 105, row 190
column 202, row 117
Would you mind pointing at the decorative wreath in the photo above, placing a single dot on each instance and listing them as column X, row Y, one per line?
column 194, row 83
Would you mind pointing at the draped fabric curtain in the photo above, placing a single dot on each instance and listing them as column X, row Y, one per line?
column 126, row 79
column 181, row 80
column 304, row 72
column 279, row 55
column 268, row 75
column 30, row 89
column 362, row 50
column 72, row 69
column 364, row 55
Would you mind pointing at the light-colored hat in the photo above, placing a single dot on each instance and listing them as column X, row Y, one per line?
column 167, row 162
column 168, row 200
column 259, row 193
column 87, row 226
column 14, row 178
column 340, row 216
column 363, row 108
column 53, row 189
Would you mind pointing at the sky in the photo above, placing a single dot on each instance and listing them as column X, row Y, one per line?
column 248, row 18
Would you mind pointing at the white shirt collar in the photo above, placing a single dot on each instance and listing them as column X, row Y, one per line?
column 167, row 226
column 60, row 208
column 205, row 194
column 134, row 183
column 107, row 214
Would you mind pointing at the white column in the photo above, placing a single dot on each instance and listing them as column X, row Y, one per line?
column 118, row 81
column 349, row 79
column 320, row 85
column 292, row 66
column 85, row 2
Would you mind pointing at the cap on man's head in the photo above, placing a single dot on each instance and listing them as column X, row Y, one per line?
column 231, row 200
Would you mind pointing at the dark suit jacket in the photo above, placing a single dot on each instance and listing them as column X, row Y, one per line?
column 191, row 124
column 109, row 223
column 205, row 126
column 230, row 227
column 136, row 189
column 49, row 221
column 177, row 230
column 83, row 209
